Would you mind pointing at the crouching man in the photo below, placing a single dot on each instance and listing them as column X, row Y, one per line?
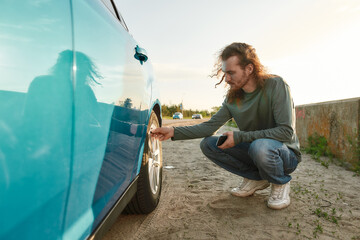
column 265, row 149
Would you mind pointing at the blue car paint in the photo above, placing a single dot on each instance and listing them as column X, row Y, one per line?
column 35, row 133
column 73, row 130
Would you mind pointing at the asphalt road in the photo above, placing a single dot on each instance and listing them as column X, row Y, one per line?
column 182, row 122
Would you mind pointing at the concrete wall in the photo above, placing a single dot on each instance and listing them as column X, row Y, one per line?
column 336, row 121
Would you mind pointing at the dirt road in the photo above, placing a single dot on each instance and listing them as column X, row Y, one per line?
column 196, row 203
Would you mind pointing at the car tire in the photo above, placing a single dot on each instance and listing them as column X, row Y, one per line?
column 150, row 177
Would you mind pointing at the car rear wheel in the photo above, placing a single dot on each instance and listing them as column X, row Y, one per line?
column 150, row 177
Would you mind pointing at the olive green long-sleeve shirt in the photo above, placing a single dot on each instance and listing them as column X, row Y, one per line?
column 267, row 112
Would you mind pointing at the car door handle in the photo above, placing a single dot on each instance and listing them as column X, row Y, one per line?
column 140, row 54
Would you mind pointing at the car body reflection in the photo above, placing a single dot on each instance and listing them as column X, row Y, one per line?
column 75, row 105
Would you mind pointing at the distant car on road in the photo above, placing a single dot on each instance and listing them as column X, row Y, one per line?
column 178, row 115
column 197, row 116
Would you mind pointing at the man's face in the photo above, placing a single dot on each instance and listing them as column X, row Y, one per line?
column 235, row 76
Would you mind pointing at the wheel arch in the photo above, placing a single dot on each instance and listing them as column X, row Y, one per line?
column 157, row 109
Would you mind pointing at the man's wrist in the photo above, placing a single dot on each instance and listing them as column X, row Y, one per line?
column 172, row 133
column 237, row 137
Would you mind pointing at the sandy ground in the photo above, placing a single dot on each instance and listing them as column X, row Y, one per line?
column 196, row 203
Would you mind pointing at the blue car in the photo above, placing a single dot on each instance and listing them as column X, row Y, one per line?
column 77, row 102
column 178, row 115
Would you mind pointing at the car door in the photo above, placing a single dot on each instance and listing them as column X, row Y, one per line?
column 36, row 113
column 111, row 105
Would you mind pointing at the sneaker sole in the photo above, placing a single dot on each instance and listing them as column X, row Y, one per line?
column 251, row 192
column 280, row 206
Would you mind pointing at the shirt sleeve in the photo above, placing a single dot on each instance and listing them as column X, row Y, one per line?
column 284, row 115
column 204, row 129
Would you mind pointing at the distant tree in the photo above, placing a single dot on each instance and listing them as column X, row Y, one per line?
column 128, row 103
column 215, row 110
column 165, row 110
column 169, row 110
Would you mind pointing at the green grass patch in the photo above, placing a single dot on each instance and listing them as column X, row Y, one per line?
column 231, row 123
column 318, row 147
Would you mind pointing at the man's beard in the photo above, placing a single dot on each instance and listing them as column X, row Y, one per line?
column 234, row 93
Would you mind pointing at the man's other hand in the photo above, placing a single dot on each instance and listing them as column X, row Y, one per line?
column 162, row 133
column 229, row 143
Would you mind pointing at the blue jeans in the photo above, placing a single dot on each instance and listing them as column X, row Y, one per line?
column 262, row 159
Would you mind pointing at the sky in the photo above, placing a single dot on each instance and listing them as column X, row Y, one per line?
column 312, row 44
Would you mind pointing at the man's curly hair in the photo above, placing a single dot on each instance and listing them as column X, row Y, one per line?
column 246, row 55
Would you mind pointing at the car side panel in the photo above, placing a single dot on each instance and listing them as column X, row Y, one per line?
column 112, row 97
column 35, row 117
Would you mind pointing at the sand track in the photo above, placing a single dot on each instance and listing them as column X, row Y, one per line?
column 196, row 204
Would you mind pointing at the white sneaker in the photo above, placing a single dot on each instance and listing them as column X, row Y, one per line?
column 280, row 196
column 248, row 187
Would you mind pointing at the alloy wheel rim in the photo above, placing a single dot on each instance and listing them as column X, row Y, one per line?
column 154, row 162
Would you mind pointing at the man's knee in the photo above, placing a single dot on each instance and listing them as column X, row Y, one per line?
column 261, row 150
column 206, row 145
